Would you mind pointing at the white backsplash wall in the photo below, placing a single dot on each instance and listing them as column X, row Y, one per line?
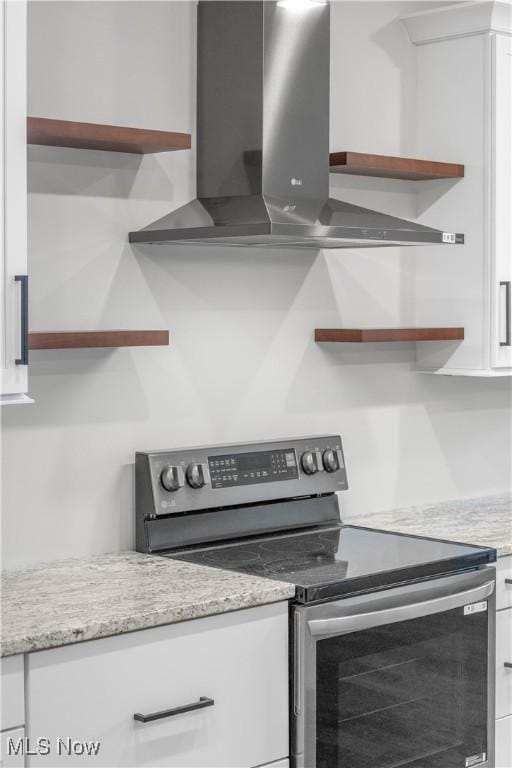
column 242, row 364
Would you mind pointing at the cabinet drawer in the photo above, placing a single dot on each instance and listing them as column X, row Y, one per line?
column 504, row 742
column 503, row 656
column 12, row 704
column 504, row 589
column 90, row 692
column 12, row 748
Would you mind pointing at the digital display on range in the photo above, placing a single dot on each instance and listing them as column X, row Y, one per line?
column 253, row 467
column 253, row 461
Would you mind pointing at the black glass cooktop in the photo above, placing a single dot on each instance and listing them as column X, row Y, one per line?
column 339, row 560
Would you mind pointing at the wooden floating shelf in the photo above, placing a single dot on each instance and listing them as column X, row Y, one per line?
column 364, row 335
column 111, row 138
column 388, row 167
column 96, row 339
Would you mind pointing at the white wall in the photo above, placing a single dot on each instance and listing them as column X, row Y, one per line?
column 242, row 364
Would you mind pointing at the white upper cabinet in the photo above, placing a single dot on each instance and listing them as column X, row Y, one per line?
column 13, row 153
column 501, row 201
column 464, row 114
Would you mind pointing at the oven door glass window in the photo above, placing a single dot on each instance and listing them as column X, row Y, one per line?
column 412, row 693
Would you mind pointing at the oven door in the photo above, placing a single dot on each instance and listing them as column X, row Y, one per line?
column 401, row 677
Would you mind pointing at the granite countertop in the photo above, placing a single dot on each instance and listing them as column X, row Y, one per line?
column 486, row 521
column 70, row 601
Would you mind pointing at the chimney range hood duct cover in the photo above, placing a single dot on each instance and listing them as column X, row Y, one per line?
column 263, row 138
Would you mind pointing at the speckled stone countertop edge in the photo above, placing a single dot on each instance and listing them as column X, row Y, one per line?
column 96, row 630
column 65, row 602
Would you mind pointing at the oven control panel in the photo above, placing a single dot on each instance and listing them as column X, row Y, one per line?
column 193, row 479
column 233, row 469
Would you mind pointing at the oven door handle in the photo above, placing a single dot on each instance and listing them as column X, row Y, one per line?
column 341, row 625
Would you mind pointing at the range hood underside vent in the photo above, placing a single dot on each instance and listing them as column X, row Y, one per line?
column 255, row 221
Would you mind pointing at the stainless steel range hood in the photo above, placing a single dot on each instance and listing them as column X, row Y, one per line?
column 263, row 138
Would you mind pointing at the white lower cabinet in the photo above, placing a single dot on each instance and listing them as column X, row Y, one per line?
column 83, row 697
column 504, row 583
column 12, row 716
column 12, row 695
column 12, row 748
column 504, row 742
column 504, row 657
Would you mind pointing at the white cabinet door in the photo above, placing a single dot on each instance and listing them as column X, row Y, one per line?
column 12, row 748
column 90, row 692
column 463, row 106
column 13, row 291
column 504, row 657
column 12, row 693
column 504, row 743
column 504, row 582
column 502, row 201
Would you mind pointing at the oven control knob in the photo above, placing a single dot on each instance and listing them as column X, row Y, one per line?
column 308, row 461
column 330, row 460
column 171, row 478
column 197, row 475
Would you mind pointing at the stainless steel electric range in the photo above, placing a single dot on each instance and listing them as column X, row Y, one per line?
column 392, row 636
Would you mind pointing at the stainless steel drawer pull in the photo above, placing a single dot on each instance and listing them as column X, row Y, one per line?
column 508, row 664
column 204, row 701
column 508, row 581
